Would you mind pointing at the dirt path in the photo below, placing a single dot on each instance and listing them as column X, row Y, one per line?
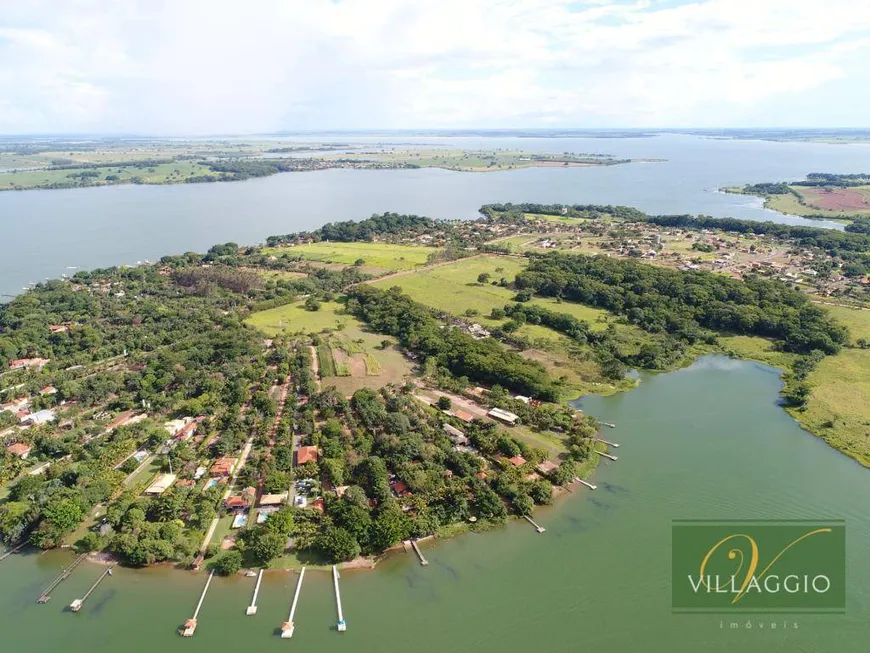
column 315, row 365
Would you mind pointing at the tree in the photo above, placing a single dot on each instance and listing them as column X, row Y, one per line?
column 338, row 545
column 311, row 303
column 444, row 402
column 483, row 277
column 227, row 563
column 89, row 542
column 267, row 545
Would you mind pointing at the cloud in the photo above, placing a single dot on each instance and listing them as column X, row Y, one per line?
column 198, row 67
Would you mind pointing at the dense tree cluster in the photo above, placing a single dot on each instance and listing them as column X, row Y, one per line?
column 516, row 212
column 363, row 230
column 685, row 303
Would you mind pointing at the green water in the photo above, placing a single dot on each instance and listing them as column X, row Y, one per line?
column 704, row 442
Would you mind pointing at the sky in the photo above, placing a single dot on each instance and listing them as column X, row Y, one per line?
column 190, row 67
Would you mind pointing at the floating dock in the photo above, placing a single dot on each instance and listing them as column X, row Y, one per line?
column 416, row 548
column 190, row 624
column 342, row 624
column 612, row 444
column 591, row 486
column 11, row 551
column 252, row 609
column 540, row 529
column 288, row 626
column 76, row 605
column 607, row 455
column 45, row 597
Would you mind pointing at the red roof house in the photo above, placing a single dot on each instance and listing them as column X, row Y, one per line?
column 306, row 454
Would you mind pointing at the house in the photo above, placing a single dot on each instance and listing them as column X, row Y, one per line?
column 273, row 499
column 48, row 390
column 547, row 467
column 464, row 415
column 400, row 488
column 306, row 454
column 25, row 363
column 235, row 502
column 503, row 416
column 317, row 504
column 124, row 419
column 457, row 436
column 525, row 400
column 163, row 483
column 19, row 449
column 200, row 472
column 175, row 426
column 223, row 466
column 40, row 417
column 57, row 328
column 517, row 461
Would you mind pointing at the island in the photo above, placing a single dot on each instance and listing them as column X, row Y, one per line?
column 331, row 395
column 57, row 163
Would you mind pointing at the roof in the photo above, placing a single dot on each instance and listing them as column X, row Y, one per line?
column 317, row 504
column 41, row 416
column 273, row 499
column 223, row 466
column 163, row 483
column 399, row 487
column 452, row 430
column 517, row 461
column 235, row 502
column 465, row 416
column 305, row 454
column 19, row 449
column 547, row 467
column 504, row 415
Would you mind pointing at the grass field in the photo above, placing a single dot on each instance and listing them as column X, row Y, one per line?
column 160, row 174
column 380, row 255
column 839, row 407
column 428, row 287
column 293, row 318
column 324, row 358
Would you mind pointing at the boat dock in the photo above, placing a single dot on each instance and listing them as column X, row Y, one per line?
column 607, row 455
column 416, row 548
column 11, row 551
column 288, row 626
column 591, row 486
column 76, row 605
column 540, row 529
column 342, row 624
column 252, row 609
column 190, row 624
column 45, row 597
column 612, row 444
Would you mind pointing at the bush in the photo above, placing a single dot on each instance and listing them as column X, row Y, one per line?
column 227, row 563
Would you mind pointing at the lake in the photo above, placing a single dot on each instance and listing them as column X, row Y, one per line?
column 47, row 233
column 705, row 442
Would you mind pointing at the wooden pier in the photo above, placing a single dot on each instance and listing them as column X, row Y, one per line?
column 591, row 486
column 540, row 529
column 76, row 605
column 416, row 548
column 288, row 626
column 342, row 624
column 607, row 442
column 190, row 624
column 252, row 609
column 13, row 550
column 607, row 455
column 45, row 597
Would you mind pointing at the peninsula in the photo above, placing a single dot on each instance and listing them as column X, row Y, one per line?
column 333, row 393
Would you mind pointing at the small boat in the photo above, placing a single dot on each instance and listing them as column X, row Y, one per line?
column 608, row 424
column 250, row 573
column 110, row 572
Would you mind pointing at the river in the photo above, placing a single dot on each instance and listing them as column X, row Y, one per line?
column 47, row 233
column 705, row 442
